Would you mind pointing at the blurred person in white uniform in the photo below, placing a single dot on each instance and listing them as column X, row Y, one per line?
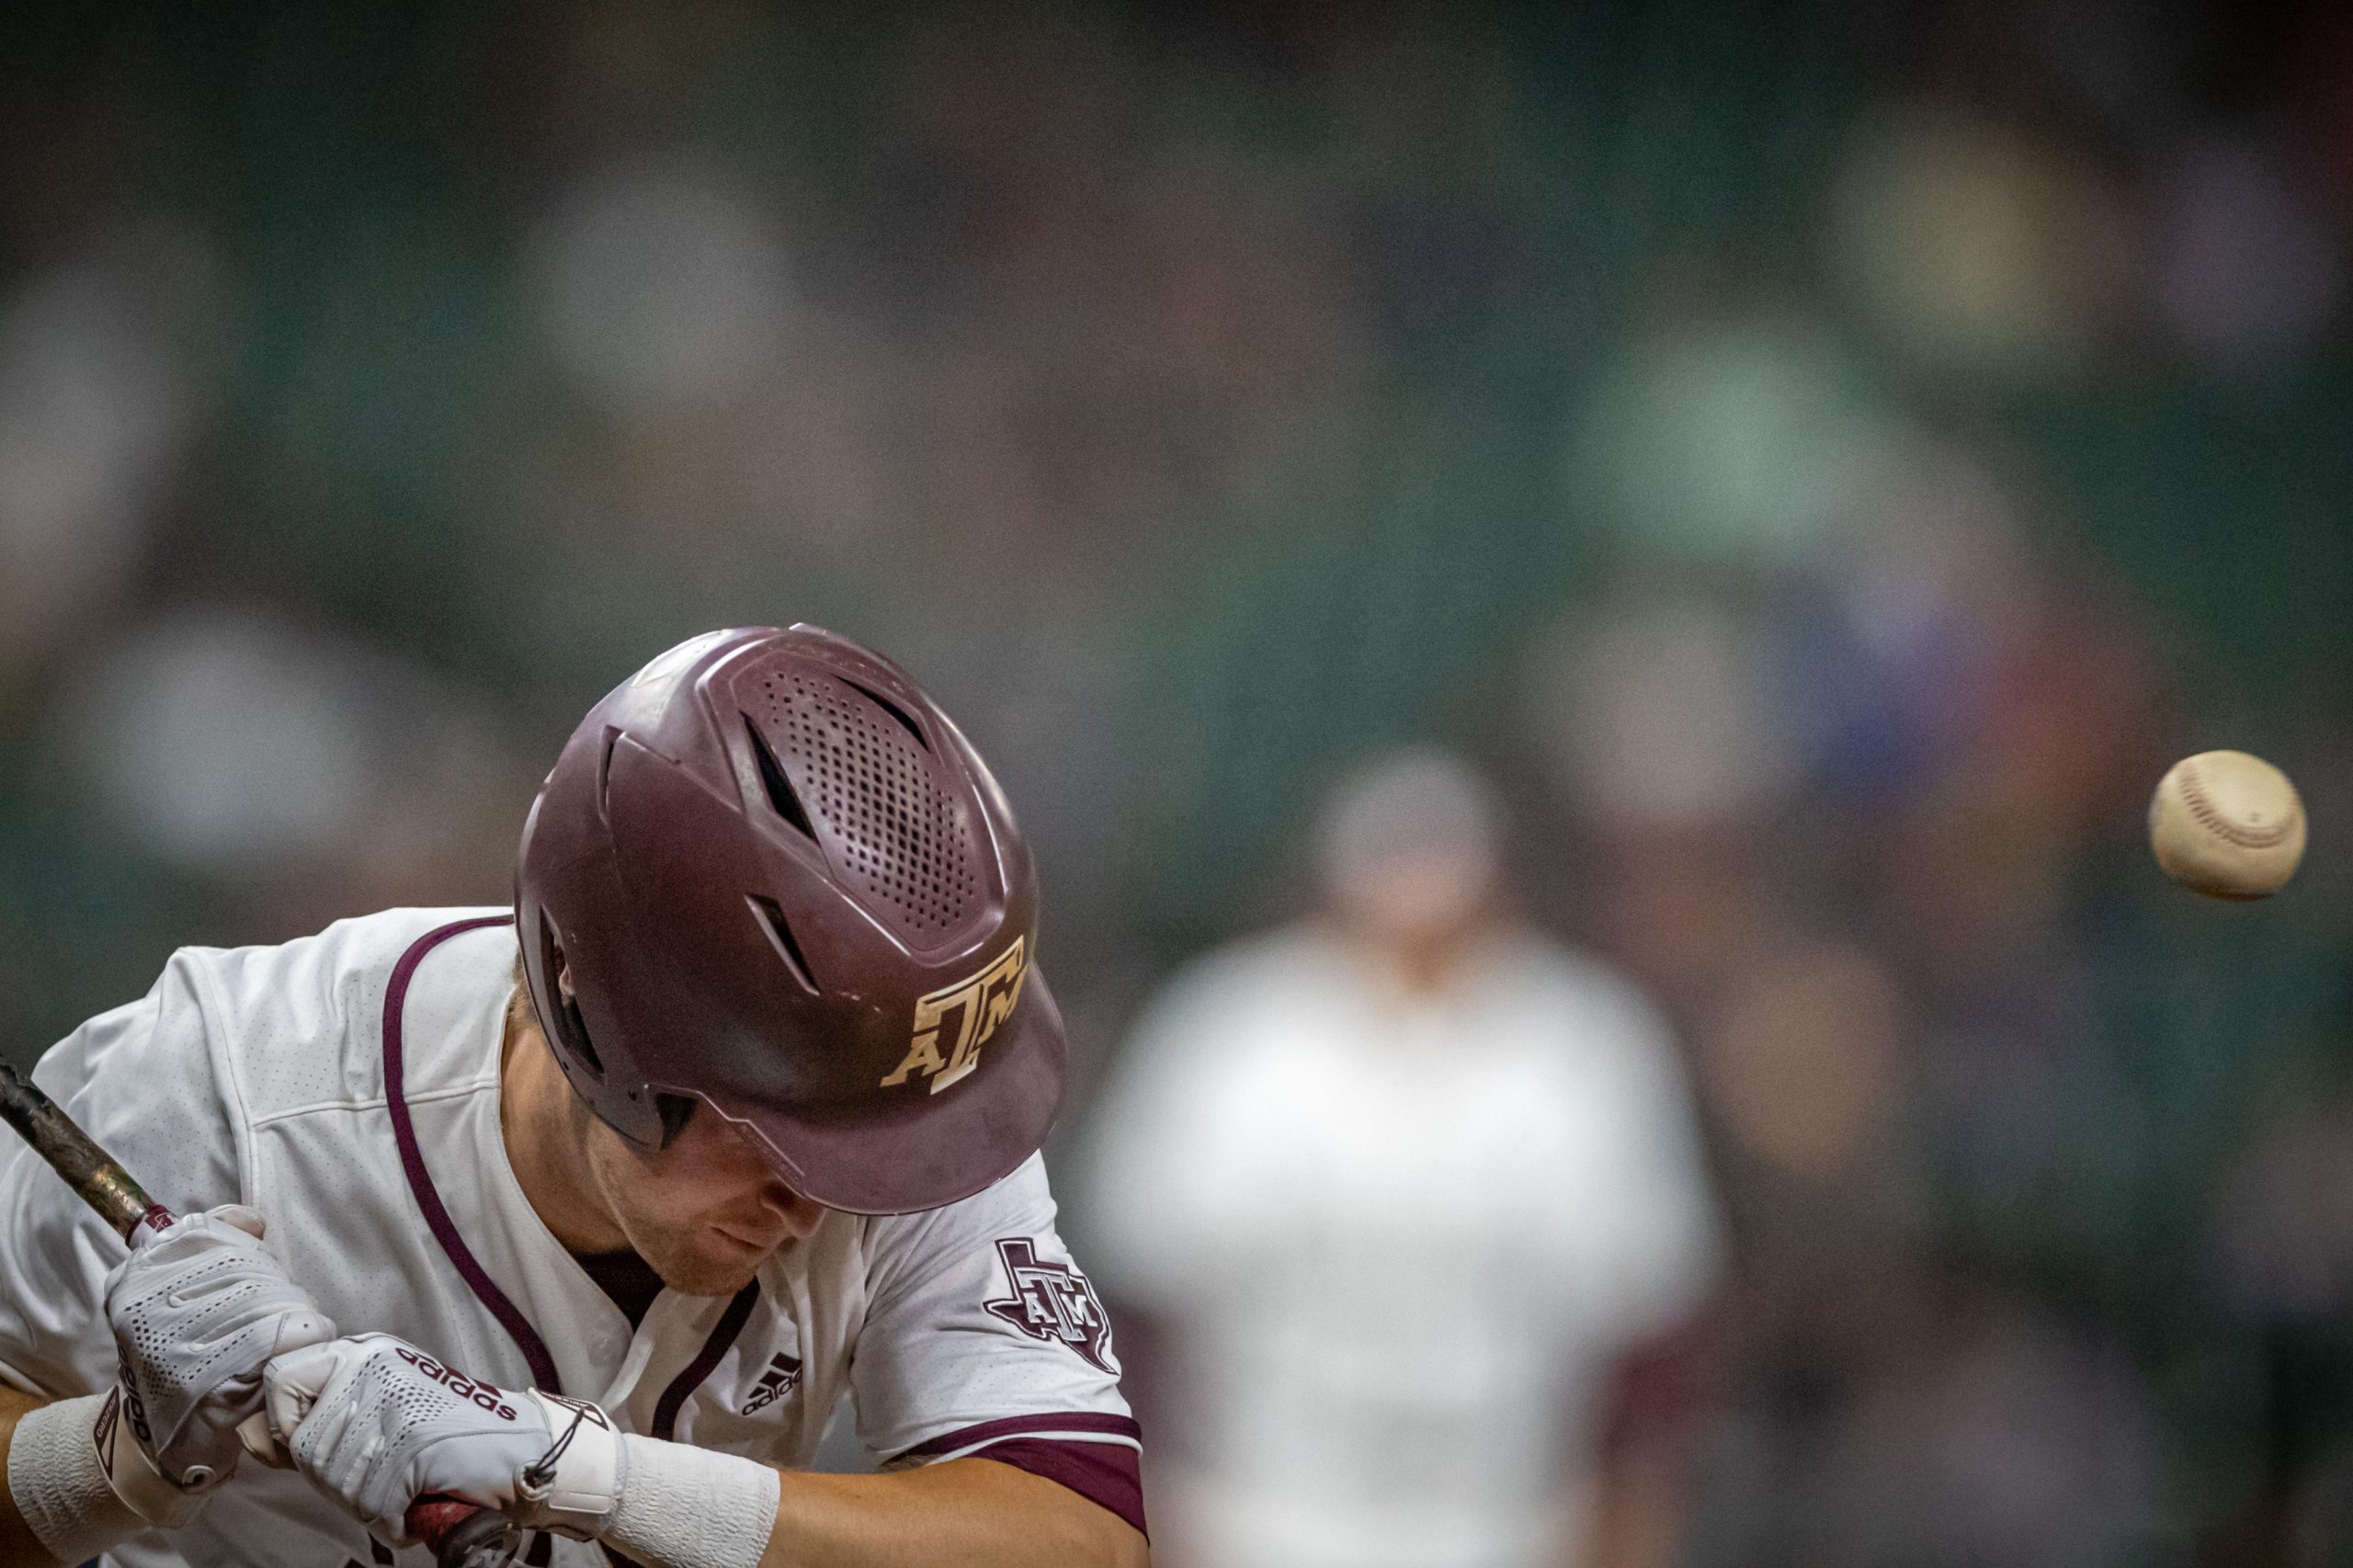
column 1405, row 1190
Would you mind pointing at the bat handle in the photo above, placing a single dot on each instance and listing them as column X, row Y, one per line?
column 462, row 1535
column 87, row 1169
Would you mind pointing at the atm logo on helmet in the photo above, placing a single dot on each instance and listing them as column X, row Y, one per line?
column 952, row 1025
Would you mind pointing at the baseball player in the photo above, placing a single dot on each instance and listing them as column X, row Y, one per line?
column 592, row 1211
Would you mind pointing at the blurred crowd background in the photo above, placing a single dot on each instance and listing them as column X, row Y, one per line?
column 1818, row 461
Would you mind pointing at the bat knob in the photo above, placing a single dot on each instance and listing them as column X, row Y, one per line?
column 465, row 1536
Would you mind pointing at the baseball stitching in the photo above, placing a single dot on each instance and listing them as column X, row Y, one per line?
column 2194, row 796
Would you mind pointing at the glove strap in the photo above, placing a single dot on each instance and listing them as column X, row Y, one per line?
column 129, row 1470
column 574, row 1487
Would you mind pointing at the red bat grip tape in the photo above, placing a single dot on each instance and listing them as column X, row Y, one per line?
column 462, row 1534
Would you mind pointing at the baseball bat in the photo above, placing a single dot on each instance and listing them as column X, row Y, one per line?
column 462, row 1534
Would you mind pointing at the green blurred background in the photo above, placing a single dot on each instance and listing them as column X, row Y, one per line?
column 1825, row 458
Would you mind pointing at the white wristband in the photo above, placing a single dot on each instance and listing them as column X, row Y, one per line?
column 687, row 1507
column 58, row 1487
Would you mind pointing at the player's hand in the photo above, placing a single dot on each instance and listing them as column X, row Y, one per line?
column 376, row 1423
column 197, row 1313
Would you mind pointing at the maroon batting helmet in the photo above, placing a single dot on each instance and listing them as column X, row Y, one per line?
column 768, row 874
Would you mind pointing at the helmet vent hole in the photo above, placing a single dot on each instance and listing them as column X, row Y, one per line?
column 868, row 776
column 605, row 771
column 772, row 779
column 893, row 709
column 779, row 932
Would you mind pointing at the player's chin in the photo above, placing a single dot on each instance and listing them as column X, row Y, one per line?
column 714, row 1264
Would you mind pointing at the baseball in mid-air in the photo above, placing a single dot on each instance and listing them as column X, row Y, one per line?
column 2227, row 825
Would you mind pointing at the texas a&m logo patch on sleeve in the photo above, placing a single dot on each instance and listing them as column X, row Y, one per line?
column 1054, row 1302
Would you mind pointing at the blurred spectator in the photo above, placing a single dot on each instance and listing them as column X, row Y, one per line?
column 297, row 768
column 1893, row 1401
column 2244, row 273
column 2282, row 1249
column 1726, row 437
column 1982, row 247
column 660, row 281
column 98, row 396
column 2282, row 1256
column 1658, row 714
column 1407, row 1185
column 1997, row 1437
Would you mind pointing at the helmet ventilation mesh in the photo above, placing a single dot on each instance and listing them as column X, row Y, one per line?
column 868, row 776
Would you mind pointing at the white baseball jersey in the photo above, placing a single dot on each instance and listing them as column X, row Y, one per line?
column 1400, row 1240
column 346, row 1086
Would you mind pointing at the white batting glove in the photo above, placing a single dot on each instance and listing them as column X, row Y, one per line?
column 198, row 1313
column 376, row 1423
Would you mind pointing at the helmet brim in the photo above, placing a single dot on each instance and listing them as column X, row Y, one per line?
column 931, row 1149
